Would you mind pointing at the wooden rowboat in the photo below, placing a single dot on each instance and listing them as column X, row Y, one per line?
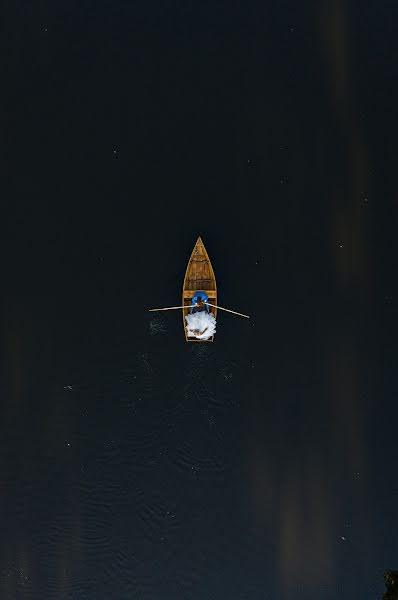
column 199, row 276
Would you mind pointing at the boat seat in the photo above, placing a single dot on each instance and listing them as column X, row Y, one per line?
column 210, row 293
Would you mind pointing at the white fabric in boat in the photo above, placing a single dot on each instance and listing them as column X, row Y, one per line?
column 203, row 322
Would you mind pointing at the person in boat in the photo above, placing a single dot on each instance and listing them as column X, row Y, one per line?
column 200, row 302
column 201, row 325
column 200, row 321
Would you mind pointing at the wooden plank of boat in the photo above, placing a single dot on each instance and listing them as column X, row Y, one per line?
column 199, row 276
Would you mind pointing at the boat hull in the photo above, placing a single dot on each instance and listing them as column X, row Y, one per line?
column 199, row 276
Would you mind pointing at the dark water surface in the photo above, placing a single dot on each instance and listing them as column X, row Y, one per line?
column 135, row 466
column 258, row 466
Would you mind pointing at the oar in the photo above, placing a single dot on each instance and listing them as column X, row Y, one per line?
column 228, row 310
column 168, row 308
column 189, row 306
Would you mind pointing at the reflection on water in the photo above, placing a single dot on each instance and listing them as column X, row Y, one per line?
column 349, row 198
